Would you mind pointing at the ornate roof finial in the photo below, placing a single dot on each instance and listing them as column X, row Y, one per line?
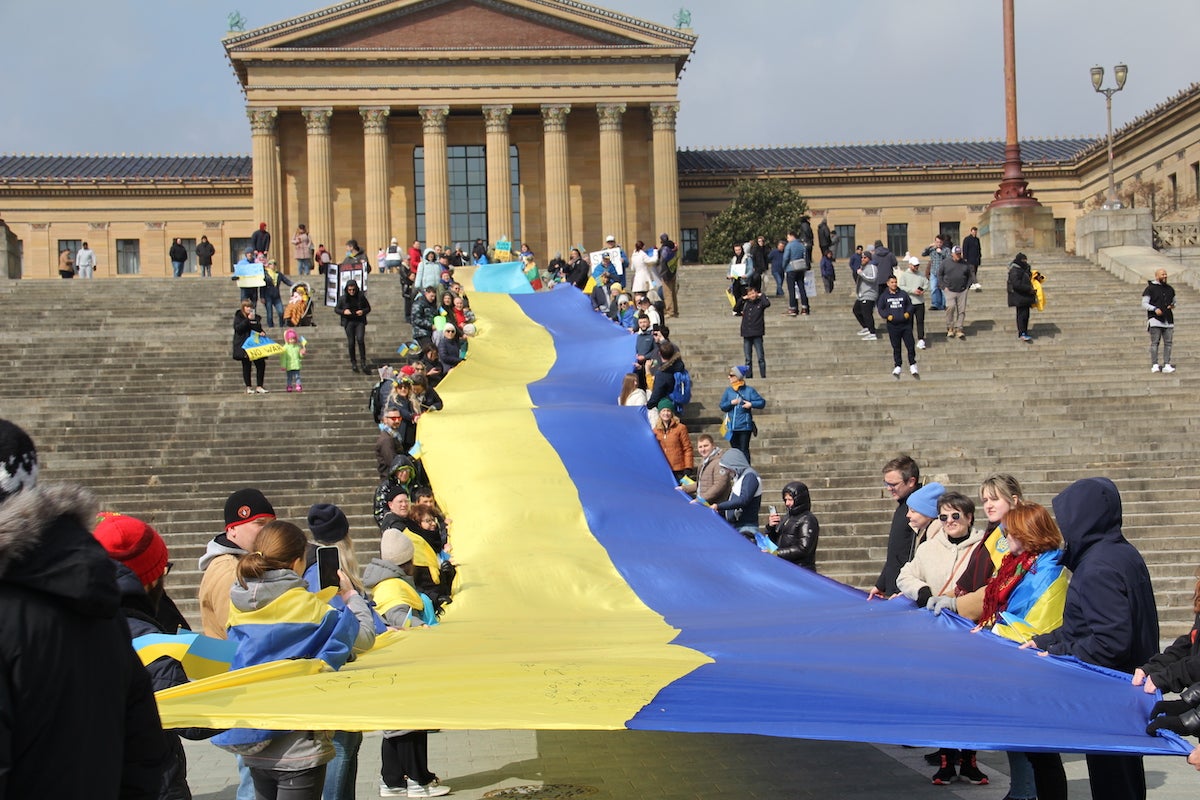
column 236, row 22
column 683, row 18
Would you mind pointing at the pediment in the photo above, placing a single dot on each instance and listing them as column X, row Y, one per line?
column 393, row 25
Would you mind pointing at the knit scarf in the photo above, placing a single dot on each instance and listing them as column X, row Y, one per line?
column 995, row 597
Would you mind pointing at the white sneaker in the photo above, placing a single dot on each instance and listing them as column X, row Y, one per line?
column 1168, row 368
column 261, row 390
column 921, row 344
column 896, row 373
column 863, row 332
column 392, row 791
column 431, row 789
column 870, row 337
column 912, row 368
column 1155, row 368
column 975, row 287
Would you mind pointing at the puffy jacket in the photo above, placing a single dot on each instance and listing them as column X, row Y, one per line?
column 1021, row 293
column 72, row 726
column 798, row 530
column 676, row 445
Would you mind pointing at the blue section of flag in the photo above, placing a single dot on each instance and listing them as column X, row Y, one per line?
column 797, row 654
column 507, row 277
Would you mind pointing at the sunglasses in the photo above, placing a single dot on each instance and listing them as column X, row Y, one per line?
column 955, row 516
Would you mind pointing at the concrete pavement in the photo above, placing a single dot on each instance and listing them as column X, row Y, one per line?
column 631, row 765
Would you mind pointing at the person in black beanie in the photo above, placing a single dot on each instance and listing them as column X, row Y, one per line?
column 330, row 528
column 59, row 593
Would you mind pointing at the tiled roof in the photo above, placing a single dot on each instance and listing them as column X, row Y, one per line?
column 887, row 156
column 114, row 168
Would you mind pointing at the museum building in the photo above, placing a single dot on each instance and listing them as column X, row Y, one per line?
column 369, row 122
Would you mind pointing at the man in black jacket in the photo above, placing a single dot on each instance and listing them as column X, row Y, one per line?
column 901, row 477
column 79, row 714
column 1158, row 301
column 973, row 254
column 178, row 255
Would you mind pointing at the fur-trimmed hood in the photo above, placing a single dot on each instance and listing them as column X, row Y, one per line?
column 46, row 545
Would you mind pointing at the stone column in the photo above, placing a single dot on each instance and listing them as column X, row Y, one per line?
column 375, row 166
column 666, row 171
column 437, row 179
column 558, row 201
column 320, row 185
column 499, row 175
column 264, row 144
column 612, row 171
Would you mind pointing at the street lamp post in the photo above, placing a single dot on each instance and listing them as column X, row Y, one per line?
column 1120, row 72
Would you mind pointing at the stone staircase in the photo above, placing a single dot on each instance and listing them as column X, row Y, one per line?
column 127, row 387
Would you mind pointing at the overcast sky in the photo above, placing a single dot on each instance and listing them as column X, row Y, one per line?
column 150, row 76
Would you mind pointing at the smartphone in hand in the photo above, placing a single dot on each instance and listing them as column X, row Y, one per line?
column 328, row 564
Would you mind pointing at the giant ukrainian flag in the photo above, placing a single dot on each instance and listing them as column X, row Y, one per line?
column 593, row 596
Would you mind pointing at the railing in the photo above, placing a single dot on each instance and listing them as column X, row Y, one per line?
column 1175, row 235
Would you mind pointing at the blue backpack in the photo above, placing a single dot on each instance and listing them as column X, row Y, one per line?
column 681, row 395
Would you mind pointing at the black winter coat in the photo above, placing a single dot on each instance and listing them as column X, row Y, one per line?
column 79, row 717
column 177, row 252
column 242, row 328
column 1177, row 667
column 204, row 254
column 164, row 671
column 798, row 531
column 353, row 301
column 1021, row 293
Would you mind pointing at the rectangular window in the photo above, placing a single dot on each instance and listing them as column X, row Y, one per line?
column 689, row 245
column 1060, row 233
column 897, row 238
column 949, row 232
column 190, row 246
column 237, row 249
column 1196, row 178
column 71, row 245
column 467, row 171
column 1173, row 188
column 129, row 256
column 845, row 242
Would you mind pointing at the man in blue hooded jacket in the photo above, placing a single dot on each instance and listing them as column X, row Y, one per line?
column 1110, row 618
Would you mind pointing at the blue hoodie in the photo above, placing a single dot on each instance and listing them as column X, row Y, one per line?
column 1110, row 618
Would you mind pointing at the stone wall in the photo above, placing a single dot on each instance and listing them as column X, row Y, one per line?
column 1117, row 227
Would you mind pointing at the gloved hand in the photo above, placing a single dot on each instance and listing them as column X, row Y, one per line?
column 1169, row 707
column 942, row 603
column 1186, row 723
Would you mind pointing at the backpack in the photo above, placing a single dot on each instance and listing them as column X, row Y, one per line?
column 681, row 395
column 378, row 399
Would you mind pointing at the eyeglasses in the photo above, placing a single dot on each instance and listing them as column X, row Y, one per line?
column 946, row 517
column 891, row 485
column 170, row 566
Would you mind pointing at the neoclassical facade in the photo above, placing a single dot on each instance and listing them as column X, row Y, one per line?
column 545, row 120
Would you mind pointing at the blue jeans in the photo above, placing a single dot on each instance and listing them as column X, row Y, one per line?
column 780, row 280
column 1021, row 785
column 274, row 306
column 755, row 344
column 342, row 771
column 177, row 266
column 740, row 440
column 293, row 379
column 245, row 789
column 304, row 266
